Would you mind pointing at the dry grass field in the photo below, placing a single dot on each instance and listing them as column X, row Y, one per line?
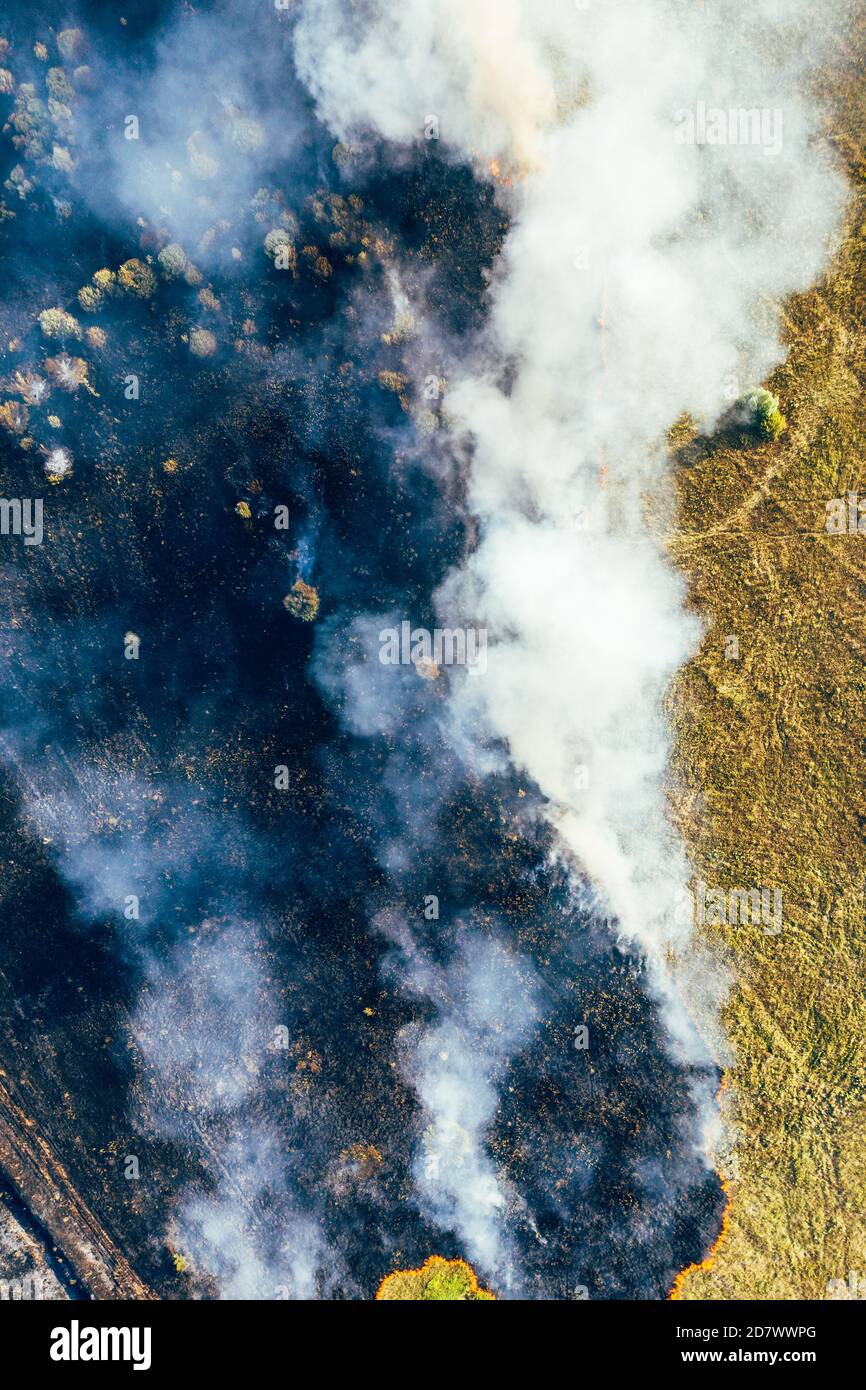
column 771, row 764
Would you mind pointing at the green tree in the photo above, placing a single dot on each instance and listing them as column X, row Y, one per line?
column 766, row 417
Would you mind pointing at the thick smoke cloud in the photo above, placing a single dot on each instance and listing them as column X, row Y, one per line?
column 636, row 283
column 628, row 292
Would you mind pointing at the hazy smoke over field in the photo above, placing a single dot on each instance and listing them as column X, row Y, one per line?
column 350, row 1081
column 635, row 284
column 208, row 1033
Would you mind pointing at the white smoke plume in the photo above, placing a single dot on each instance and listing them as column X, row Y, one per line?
column 639, row 280
column 487, row 1002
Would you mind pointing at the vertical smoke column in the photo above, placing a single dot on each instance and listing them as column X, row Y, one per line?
column 642, row 241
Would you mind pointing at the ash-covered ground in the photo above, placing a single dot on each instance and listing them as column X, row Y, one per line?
column 292, row 983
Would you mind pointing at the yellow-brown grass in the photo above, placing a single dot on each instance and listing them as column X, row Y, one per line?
column 770, row 773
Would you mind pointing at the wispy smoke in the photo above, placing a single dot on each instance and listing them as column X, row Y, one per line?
column 204, row 1024
column 179, row 884
column 486, row 999
column 190, row 127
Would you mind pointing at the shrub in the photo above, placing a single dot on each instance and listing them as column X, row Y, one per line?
column 202, row 342
column 766, row 416
column 302, row 601
column 136, row 278
column 71, row 43
column 56, row 323
column 14, row 416
column 90, row 298
column 172, row 260
column 59, row 86
column 281, row 249
column 105, row 280
column 69, row 373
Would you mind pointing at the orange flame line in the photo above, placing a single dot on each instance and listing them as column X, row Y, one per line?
column 706, row 1264
column 429, row 1263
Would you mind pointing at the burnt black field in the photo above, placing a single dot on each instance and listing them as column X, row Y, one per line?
column 155, row 776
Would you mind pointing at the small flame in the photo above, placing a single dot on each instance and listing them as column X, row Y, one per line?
column 706, row 1264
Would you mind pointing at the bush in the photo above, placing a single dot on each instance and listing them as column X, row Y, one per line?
column 172, row 260
column 766, row 417
column 136, row 278
column 202, row 343
column 56, row 323
column 105, row 280
column 71, row 43
column 302, row 601
column 90, row 298
column 59, row 86
column 281, row 249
